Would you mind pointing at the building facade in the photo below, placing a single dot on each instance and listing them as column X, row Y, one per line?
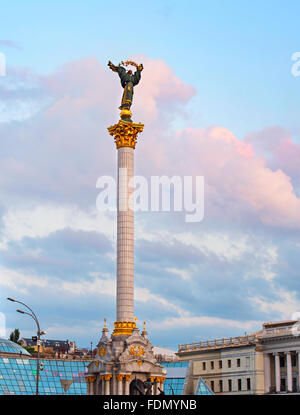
column 61, row 346
column 228, row 366
column 261, row 363
column 280, row 345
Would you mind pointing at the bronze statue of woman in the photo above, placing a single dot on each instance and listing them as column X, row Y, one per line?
column 128, row 81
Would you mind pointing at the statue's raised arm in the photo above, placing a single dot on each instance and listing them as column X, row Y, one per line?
column 112, row 66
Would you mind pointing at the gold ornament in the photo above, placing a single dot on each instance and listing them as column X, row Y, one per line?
column 102, row 351
column 137, row 351
column 125, row 133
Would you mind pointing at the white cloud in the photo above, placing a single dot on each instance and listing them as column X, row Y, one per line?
column 193, row 321
column 226, row 246
column 185, row 275
column 42, row 220
column 21, row 282
column 284, row 307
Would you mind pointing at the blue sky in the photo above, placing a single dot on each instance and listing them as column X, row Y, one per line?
column 230, row 112
column 240, row 50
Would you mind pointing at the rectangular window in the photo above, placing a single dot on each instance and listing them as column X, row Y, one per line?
column 221, row 385
column 294, row 360
column 229, row 385
column 212, row 365
column 239, row 384
column 220, row 364
column 247, row 361
column 238, row 362
column 203, row 366
column 212, row 385
column 282, row 364
column 248, row 384
column 228, row 363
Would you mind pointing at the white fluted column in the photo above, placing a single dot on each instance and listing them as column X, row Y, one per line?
column 267, row 372
column 277, row 372
column 289, row 372
column 127, row 383
column 125, row 237
column 107, row 384
column 120, row 384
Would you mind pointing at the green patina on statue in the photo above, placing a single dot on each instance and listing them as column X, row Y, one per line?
column 128, row 81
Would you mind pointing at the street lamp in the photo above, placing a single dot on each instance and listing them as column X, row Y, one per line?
column 39, row 333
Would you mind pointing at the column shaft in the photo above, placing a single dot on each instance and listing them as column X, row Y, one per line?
column 127, row 383
column 289, row 372
column 267, row 372
column 277, row 372
column 125, row 237
column 120, row 386
column 107, row 387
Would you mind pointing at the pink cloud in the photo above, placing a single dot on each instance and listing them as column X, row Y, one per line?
column 237, row 180
column 279, row 149
column 67, row 147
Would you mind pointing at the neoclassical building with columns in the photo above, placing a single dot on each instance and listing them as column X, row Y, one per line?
column 280, row 345
column 264, row 362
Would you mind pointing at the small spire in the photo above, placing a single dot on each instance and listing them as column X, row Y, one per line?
column 105, row 329
column 144, row 332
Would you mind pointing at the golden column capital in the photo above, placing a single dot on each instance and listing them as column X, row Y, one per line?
column 125, row 133
column 127, row 377
column 90, row 379
column 120, row 377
